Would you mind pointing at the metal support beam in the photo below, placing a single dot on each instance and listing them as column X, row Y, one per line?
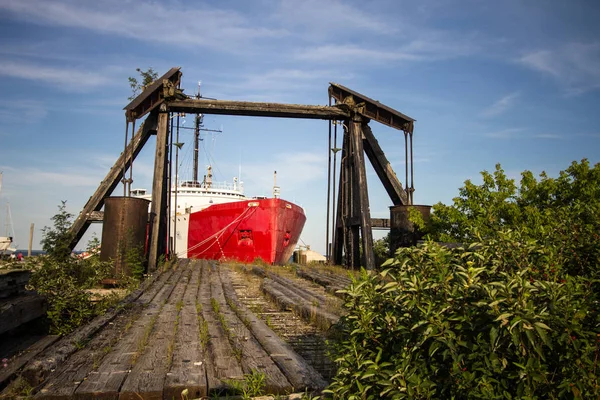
column 112, row 179
column 158, row 210
column 383, row 168
column 256, row 109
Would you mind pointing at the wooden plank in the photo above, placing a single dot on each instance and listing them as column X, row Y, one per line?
column 106, row 381
column 294, row 286
column 158, row 207
column 63, row 382
column 363, row 194
column 152, row 96
column 226, row 366
column 371, row 108
column 257, row 109
column 383, row 168
column 188, row 367
column 380, row 223
column 112, row 179
column 12, row 282
column 15, row 311
column 212, row 382
column 299, row 373
column 339, row 230
column 36, row 371
column 8, row 373
column 253, row 356
column 146, row 378
column 331, row 283
column 287, row 298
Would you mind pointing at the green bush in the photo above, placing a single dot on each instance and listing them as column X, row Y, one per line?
column 512, row 314
column 470, row 323
column 64, row 279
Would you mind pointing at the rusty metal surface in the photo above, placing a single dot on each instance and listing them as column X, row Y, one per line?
column 153, row 95
column 371, row 108
column 125, row 221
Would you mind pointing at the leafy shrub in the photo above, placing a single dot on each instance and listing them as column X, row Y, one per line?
column 561, row 213
column 512, row 314
column 64, row 279
column 474, row 322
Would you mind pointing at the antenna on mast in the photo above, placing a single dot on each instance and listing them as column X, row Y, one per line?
column 276, row 189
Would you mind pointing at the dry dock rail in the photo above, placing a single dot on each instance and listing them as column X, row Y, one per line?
column 194, row 327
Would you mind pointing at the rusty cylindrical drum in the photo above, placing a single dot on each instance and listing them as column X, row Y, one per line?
column 124, row 233
column 402, row 231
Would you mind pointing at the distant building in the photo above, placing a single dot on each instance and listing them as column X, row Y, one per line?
column 306, row 256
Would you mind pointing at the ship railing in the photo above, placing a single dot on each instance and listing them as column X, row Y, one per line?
column 239, row 187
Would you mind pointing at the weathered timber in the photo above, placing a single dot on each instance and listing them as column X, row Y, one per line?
column 17, row 310
column 310, row 312
column 106, row 380
column 306, row 294
column 253, row 356
column 152, row 96
column 226, row 366
column 39, row 368
column 63, row 382
column 339, row 229
column 158, row 212
column 370, row 108
column 12, row 282
column 363, row 194
column 146, row 378
column 382, row 167
column 256, row 109
column 112, row 179
column 299, row 373
column 188, row 366
column 380, row 223
column 7, row 373
column 332, row 283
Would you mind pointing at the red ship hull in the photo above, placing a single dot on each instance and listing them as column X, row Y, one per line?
column 246, row 230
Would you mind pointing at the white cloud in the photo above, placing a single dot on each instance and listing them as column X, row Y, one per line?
column 500, row 106
column 67, row 78
column 316, row 18
column 22, row 111
column 548, row 136
column 575, row 66
column 505, row 133
column 198, row 25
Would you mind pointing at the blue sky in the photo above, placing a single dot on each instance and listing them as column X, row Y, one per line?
column 510, row 82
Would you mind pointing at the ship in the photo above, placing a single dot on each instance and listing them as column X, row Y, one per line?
column 217, row 221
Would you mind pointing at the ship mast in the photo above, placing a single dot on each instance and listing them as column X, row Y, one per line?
column 196, row 141
column 197, row 128
column 198, row 122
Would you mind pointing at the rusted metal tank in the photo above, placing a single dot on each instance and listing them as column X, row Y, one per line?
column 124, row 231
column 402, row 232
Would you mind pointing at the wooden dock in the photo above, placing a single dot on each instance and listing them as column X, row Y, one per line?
column 186, row 329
